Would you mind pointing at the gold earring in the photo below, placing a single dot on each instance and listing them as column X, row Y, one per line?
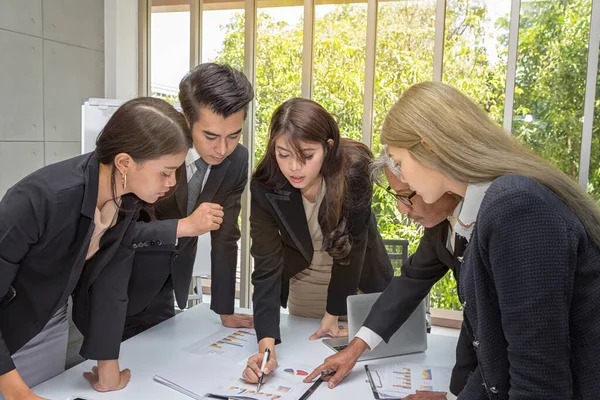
column 124, row 180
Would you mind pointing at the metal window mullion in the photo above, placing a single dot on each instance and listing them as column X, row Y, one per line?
column 590, row 95
column 438, row 47
column 248, row 141
column 308, row 48
column 511, row 67
column 196, row 7
column 144, row 22
column 369, row 98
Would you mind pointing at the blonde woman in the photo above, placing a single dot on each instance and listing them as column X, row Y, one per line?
column 530, row 282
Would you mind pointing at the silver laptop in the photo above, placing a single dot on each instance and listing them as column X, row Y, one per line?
column 410, row 338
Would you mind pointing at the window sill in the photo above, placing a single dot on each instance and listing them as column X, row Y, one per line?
column 439, row 317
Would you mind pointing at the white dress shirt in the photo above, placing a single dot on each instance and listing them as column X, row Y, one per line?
column 190, row 169
column 462, row 221
column 190, row 166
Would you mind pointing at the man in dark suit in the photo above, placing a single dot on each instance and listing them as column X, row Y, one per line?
column 214, row 99
column 439, row 250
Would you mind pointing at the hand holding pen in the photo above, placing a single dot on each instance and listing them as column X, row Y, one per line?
column 255, row 367
column 262, row 368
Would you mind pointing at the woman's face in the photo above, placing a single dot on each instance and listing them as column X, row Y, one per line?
column 301, row 175
column 152, row 179
column 429, row 183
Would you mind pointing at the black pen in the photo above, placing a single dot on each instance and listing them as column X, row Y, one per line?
column 262, row 368
column 311, row 389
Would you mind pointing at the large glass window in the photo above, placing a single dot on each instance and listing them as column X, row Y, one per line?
column 550, row 80
column 278, row 65
column 404, row 53
column 170, row 47
column 403, row 57
column 339, row 63
column 223, row 33
column 476, row 51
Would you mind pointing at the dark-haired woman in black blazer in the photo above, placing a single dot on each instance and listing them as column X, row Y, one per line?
column 314, row 237
column 67, row 229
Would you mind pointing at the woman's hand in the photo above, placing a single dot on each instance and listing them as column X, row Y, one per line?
column 13, row 387
column 252, row 371
column 107, row 376
column 329, row 327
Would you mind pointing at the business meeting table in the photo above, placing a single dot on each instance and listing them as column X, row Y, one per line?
column 147, row 353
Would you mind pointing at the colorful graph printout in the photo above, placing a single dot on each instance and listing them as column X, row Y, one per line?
column 283, row 384
column 233, row 344
column 402, row 379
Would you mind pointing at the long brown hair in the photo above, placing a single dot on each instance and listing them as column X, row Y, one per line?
column 464, row 143
column 345, row 168
column 146, row 128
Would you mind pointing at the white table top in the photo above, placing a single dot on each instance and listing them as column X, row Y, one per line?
column 150, row 351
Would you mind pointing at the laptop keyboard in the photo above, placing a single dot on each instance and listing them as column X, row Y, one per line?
column 340, row 347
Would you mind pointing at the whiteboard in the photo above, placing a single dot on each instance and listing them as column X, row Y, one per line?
column 95, row 113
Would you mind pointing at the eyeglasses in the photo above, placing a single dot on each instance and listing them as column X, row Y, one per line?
column 406, row 200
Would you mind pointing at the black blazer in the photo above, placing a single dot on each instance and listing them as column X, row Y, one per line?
column 282, row 247
column 420, row 272
column 46, row 221
column 157, row 256
column 530, row 283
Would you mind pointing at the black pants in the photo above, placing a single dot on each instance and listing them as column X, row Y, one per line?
column 160, row 309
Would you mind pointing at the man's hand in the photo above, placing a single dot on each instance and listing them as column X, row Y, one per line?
column 252, row 371
column 329, row 327
column 107, row 376
column 207, row 217
column 342, row 363
column 237, row 321
column 422, row 395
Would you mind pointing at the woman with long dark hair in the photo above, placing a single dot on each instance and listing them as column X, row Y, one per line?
column 314, row 237
column 67, row 229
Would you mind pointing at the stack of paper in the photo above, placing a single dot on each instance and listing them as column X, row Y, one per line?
column 216, row 374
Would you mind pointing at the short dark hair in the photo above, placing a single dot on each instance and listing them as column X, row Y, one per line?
column 220, row 88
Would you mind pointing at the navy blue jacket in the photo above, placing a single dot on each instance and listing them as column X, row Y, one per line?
column 530, row 284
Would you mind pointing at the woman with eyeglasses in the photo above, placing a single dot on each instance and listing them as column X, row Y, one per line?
column 314, row 238
column 530, row 280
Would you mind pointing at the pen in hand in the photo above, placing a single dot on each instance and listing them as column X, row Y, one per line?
column 262, row 368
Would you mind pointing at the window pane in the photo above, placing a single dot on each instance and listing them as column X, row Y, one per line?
column 404, row 53
column 339, row 63
column 550, row 81
column 278, row 65
column 223, row 33
column 594, row 176
column 404, row 56
column 170, row 47
column 476, row 51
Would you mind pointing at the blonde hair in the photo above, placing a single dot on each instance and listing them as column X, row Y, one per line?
column 465, row 144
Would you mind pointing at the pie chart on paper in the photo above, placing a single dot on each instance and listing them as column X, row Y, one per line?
column 292, row 371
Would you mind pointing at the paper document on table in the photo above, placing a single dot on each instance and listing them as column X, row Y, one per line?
column 285, row 383
column 233, row 344
column 401, row 379
column 197, row 376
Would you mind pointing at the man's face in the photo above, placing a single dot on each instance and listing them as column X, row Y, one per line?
column 216, row 137
column 428, row 215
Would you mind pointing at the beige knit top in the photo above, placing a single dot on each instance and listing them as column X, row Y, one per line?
column 308, row 288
